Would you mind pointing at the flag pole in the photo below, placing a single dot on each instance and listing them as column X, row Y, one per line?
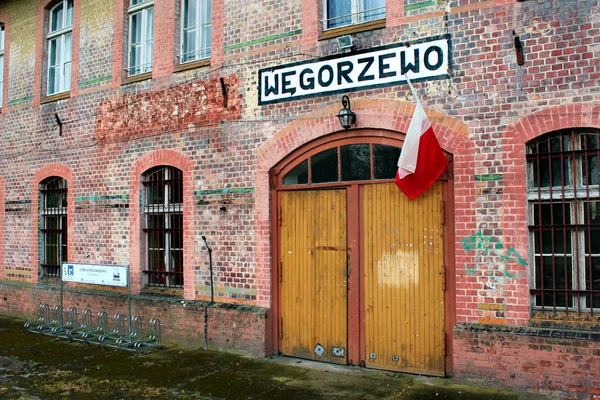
column 412, row 89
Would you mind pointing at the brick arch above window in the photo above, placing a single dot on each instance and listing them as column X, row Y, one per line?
column 178, row 160
column 47, row 171
column 41, row 67
column 514, row 140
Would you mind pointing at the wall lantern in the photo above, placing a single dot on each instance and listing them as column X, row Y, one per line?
column 346, row 115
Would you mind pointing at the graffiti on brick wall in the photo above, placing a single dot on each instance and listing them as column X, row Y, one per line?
column 488, row 245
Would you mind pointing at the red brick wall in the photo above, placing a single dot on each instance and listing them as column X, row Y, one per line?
column 556, row 363
column 483, row 114
column 240, row 329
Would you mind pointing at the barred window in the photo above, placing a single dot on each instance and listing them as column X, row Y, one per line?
column 564, row 220
column 163, row 211
column 53, row 225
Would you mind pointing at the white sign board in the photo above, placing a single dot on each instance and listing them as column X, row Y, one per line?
column 95, row 274
column 428, row 59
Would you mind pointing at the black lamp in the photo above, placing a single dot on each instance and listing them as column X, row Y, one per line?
column 346, row 115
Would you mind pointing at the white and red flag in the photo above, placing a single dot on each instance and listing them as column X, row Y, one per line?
column 421, row 160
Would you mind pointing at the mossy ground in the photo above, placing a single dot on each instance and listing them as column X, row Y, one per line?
column 34, row 366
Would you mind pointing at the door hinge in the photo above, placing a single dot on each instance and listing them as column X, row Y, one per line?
column 444, row 346
column 443, row 205
column 280, row 271
column 444, row 278
column 280, row 328
column 280, row 216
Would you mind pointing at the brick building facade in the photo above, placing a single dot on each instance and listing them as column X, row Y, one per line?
column 130, row 129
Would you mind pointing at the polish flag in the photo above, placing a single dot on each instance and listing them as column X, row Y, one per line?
column 421, row 160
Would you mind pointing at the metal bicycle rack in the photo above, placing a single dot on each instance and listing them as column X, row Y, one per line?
column 54, row 322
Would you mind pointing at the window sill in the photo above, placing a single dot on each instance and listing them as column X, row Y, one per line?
column 56, row 97
column 162, row 291
column 137, row 78
column 367, row 26
column 563, row 320
column 191, row 65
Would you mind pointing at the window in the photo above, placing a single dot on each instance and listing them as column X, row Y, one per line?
column 163, row 216
column 141, row 36
column 59, row 47
column 195, row 30
column 340, row 13
column 357, row 162
column 564, row 220
column 53, row 225
column 1, row 63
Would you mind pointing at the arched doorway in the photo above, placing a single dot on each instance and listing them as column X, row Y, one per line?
column 360, row 275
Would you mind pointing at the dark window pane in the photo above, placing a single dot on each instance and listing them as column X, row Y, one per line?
column 557, row 213
column 544, row 168
column 589, row 141
column 590, row 170
column 591, row 208
column 356, row 162
column 592, row 278
column 324, row 166
column 175, row 184
column 562, row 243
column 555, row 274
column 385, row 161
column 592, row 238
column 550, row 144
column 298, row 175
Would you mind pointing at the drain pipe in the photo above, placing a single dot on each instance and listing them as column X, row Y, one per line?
column 212, row 294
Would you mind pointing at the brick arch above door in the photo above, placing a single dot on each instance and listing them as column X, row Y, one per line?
column 389, row 115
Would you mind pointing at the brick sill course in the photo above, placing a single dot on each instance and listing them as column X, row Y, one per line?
column 529, row 331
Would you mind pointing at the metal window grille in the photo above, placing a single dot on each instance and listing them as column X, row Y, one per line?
column 53, row 225
column 163, row 215
column 564, row 221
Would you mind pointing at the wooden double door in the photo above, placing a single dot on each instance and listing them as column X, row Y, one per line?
column 361, row 277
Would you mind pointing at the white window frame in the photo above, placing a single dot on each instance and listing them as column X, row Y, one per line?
column 358, row 15
column 63, row 37
column 203, row 21
column 2, row 36
column 145, row 8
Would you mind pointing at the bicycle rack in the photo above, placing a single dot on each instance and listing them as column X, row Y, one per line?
column 51, row 321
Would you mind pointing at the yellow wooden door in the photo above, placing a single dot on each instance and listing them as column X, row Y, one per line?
column 403, row 265
column 313, row 254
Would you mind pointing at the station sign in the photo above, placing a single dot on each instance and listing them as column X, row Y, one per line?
column 428, row 59
column 95, row 274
